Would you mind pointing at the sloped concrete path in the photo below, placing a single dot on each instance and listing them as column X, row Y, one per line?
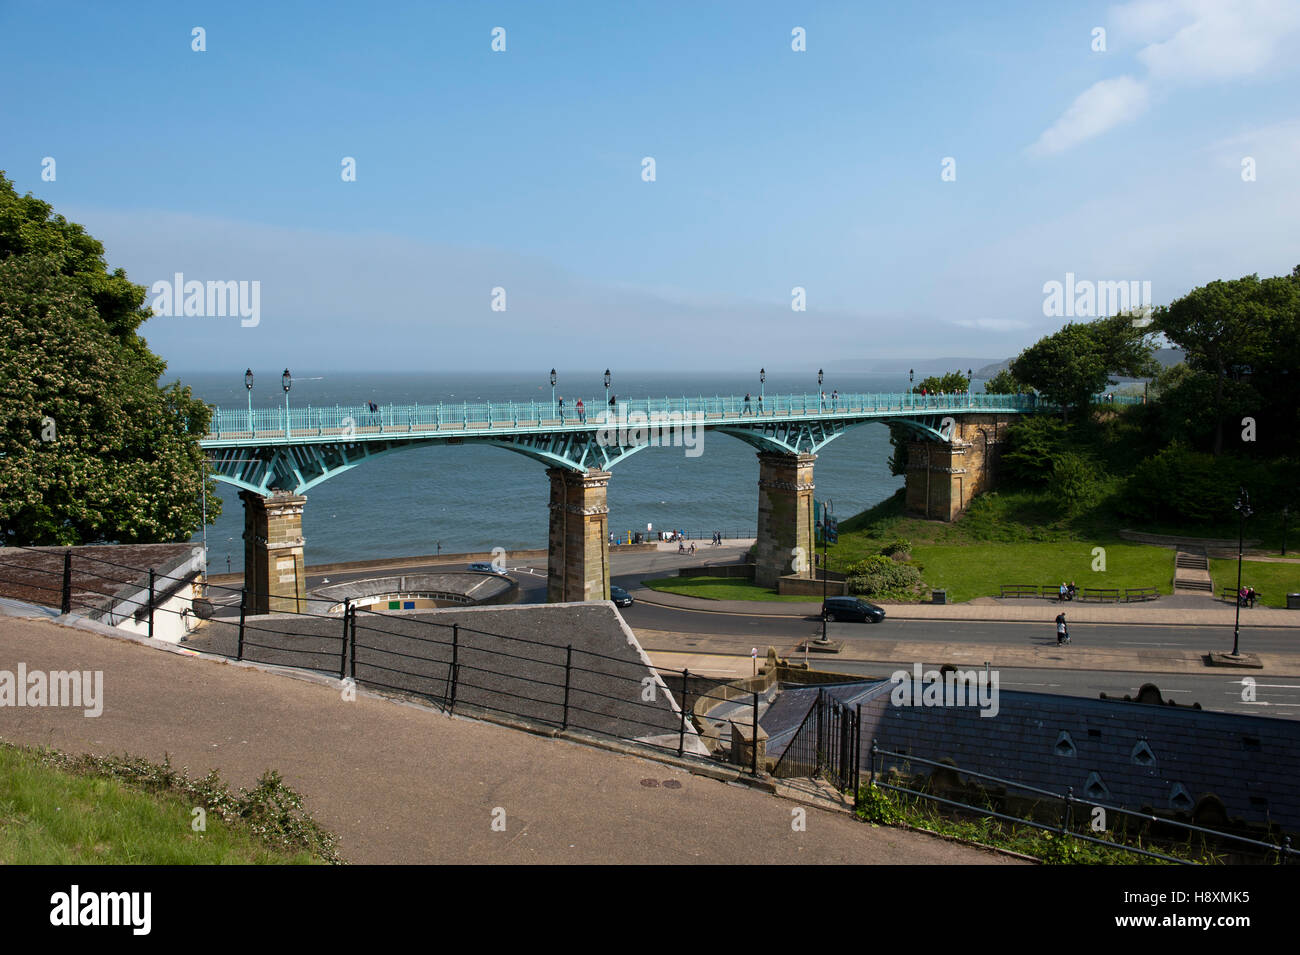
column 402, row 784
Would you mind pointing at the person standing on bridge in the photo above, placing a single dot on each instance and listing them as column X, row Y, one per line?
column 582, row 412
column 561, row 409
column 835, row 399
column 747, row 409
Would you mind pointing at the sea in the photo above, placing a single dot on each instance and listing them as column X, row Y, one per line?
column 467, row 498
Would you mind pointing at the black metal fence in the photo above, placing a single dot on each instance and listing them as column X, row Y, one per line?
column 1132, row 831
column 827, row 743
column 456, row 667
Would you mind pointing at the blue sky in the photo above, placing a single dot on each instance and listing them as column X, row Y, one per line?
column 775, row 168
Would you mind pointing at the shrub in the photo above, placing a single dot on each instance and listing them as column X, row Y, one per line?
column 1077, row 483
column 1179, row 484
column 879, row 575
column 899, row 548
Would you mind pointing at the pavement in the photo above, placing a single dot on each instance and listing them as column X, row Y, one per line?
column 725, row 655
column 401, row 783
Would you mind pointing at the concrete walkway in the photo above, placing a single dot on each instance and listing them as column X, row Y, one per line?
column 404, row 784
column 1198, row 609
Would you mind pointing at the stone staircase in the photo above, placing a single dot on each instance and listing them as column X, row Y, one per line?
column 1192, row 572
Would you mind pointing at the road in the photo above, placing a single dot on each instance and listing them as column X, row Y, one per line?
column 1275, row 696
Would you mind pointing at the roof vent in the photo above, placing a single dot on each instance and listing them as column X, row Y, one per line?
column 1064, row 745
column 1094, row 734
column 1142, row 755
column 1180, row 798
column 1094, row 788
column 1251, row 744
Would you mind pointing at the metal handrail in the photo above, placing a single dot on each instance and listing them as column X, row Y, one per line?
column 516, row 417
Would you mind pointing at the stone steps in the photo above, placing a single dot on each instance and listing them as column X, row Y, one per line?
column 1192, row 572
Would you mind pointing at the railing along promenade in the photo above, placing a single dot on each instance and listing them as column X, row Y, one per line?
column 269, row 425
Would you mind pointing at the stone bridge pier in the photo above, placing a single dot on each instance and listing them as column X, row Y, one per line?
column 785, row 516
column 943, row 476
column 273, row 562
column 578, row 563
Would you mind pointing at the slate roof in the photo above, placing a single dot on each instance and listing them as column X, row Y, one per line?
column 1152, row 756
column 103, row 575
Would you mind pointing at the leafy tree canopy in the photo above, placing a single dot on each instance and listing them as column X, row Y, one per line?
column 952, row 383
column 91, row 448
column 1242, row 339
column 1005, row 383
column 1070, row 366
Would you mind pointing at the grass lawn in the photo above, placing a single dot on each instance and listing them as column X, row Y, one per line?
column 49, row 816
column 967, row 571
column 720, row 588
column 1273, row 581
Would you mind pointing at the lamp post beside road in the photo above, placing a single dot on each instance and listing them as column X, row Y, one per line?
column 826, row 524
column 1242, row 507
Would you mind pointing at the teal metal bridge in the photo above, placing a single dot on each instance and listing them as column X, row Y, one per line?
column 293, row 450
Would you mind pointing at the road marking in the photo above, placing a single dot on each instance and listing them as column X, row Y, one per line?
column 1266, row 703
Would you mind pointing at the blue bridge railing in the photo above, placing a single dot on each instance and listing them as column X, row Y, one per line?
column 235, row 424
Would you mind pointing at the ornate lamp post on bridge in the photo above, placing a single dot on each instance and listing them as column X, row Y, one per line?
column 552, row 392
column 762, row 386
column 607, row 389
column 286, row 382
column 248, row 385
column 819, row 389
column 1242, row 507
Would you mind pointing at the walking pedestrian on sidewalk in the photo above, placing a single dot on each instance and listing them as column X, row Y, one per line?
column 1062, row 632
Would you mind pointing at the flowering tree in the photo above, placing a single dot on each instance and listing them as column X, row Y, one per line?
column 91, row 447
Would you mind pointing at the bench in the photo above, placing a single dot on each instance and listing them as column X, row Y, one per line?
column 1099, row 593
column 1140, row 593
column 1019, row 590
column 1229, row 595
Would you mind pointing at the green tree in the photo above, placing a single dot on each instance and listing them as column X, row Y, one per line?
column 1072, row 365
column 1005, row 383
column 952, row 383
column 91, row 447
column 1241, row 329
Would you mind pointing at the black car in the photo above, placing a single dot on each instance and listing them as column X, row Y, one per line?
column 620, row 596
column 851, row 609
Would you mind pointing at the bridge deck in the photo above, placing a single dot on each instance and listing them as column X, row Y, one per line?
column 240, row 427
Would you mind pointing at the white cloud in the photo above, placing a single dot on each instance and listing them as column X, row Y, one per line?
column 1212, row 40
column 1102, row 106
column 1187, row 43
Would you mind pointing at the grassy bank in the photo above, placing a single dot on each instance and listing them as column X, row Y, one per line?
column 967, row 571
column 1007, row 538
column 58, row 810
column 1273, row 580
